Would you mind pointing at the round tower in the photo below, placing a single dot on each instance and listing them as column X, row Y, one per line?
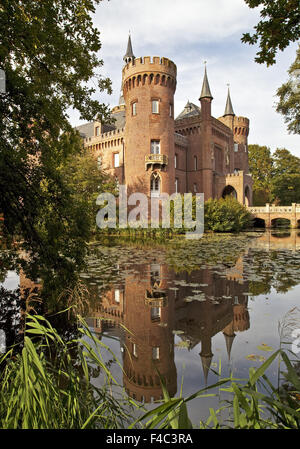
column 241, row 130
column 148, row 87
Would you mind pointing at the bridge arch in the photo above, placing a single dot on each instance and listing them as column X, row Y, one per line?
column 280, row 222
column 259, row 222
column 229, row 191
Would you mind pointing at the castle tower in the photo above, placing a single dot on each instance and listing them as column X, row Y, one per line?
column 228, row 117
column 206, row 355
column 240, row 129
column 149, row 345
column 148, row 87
column 207, row 171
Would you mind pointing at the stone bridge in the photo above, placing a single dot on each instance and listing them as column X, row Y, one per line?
column 269, row 213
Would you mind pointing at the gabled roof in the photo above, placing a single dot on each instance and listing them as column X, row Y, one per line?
column 189, row 110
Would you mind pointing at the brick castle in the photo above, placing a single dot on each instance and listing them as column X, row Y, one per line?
column 150, row 151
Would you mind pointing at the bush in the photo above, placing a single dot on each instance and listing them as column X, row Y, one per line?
column 226, row 215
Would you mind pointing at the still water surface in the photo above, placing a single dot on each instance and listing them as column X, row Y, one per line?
column 191, row 309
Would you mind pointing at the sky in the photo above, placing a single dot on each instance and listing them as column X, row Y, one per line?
column 190, row 32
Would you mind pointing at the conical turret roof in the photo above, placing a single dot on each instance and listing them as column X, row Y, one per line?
column 129, row 52
column 229, row 340
column 206, row 362
column 228, row 108
column 205, row 92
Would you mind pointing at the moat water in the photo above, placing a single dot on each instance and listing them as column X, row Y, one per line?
column 192, row 311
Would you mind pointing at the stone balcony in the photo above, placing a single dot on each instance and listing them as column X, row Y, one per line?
column 156, row 298
column 156, row 159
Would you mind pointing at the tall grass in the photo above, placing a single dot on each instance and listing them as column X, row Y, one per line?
column 47, row 385
column 254, row 404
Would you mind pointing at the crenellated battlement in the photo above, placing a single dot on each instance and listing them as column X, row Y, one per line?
column 149, row 70
column 155, row 63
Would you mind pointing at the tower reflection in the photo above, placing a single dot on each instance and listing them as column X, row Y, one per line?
column 155, row 303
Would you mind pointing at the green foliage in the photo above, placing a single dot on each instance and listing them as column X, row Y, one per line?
column 287, row 188
column 226, row 215
column 278, row 27
column 276, row 177
column 49, row 53
column 86, row 181
column 45, row 386
column 289, row 97
column 255, row 403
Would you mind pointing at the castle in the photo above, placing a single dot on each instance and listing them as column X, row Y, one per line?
column 152, row 152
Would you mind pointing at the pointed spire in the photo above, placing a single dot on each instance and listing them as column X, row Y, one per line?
column 228, row 108
column 205, row 92
column 206, row 362
column 229, row 340
column 129, row 56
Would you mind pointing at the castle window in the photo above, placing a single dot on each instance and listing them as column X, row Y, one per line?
column 155, row 147
column 116, row 160
column 155, row 353
column 155, row 185
column 155, row 107
column 195, row 187
column 176, row 185
column 97, row 131
column 134, row 108
column 195, row 163
column 236, row 147
column 117, row 295
column 175, row 161
column 155, row 313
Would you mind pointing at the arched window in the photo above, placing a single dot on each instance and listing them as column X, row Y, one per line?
column 155, row 185
column 195, row 163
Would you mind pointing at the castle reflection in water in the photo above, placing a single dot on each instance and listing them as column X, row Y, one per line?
column 201, row 305
column 155, row 303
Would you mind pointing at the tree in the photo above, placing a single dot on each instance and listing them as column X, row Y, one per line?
column 285, row 163
column 261, row 169
column 286, row 180
column 289, row 97
column 286, row 188
column 49, row 52
column 280, row 25
column 86, row 180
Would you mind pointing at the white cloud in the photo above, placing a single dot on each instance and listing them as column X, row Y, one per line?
column 189, row 32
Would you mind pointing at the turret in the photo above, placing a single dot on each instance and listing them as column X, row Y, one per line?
column 148, row 87
column 129, row 56
column 228, row 117
column 207, row 172
column 205, row 98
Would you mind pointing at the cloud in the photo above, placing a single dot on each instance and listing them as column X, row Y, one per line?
column 189, row 32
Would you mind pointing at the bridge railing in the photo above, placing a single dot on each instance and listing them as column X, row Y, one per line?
column 274, row 209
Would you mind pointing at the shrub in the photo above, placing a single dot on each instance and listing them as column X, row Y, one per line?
column 226, row 215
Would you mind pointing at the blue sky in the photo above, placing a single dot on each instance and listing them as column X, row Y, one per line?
column 190, row 32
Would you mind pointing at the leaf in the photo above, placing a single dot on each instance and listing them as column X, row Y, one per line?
column 264, row 347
